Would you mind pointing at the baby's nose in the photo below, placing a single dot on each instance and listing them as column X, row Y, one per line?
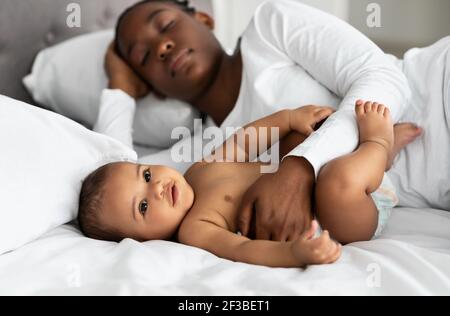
column 157, row 190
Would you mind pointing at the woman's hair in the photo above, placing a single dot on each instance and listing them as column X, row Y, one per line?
column 183, row 4
column 91, row 204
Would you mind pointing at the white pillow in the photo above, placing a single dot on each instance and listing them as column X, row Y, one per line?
column 44, row 159
column 69, row 78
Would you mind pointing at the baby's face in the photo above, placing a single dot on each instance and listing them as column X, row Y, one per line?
column 145, row 202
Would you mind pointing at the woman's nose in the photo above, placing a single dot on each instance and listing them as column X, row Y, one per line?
column 165, row 48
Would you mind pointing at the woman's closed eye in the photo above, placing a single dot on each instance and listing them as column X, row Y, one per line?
column 168, row 26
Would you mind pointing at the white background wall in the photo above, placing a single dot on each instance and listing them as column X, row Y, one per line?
column 233, row 16
column 405, row 23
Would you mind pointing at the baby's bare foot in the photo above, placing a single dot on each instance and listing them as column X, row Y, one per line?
column 404, row 134
column 375, row 125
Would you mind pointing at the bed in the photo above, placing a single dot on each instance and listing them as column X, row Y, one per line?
column 411, row 257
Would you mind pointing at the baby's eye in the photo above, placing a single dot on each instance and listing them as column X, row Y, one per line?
column 143, row 207
column 147, row 175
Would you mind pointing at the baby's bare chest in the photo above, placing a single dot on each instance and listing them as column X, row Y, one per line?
column 219, row 190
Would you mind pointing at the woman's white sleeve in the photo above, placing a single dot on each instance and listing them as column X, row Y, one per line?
column 342, row 59
column 116, row 116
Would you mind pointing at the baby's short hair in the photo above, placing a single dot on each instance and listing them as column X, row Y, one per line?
column 91, row 206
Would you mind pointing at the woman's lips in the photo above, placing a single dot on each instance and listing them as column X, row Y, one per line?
column 179, row 60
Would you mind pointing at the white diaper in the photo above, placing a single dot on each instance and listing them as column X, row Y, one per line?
column 385, row 198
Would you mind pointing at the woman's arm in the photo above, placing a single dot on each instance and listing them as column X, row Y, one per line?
column 116, row 116
column 348, row 64
column 339, row 57
column 118, row 103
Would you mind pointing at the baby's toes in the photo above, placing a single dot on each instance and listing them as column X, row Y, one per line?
column 359, row 107
column 375, row 107
column 381, row 109
column 368, row 107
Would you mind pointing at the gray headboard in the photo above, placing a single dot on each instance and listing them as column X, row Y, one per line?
column 27, row 26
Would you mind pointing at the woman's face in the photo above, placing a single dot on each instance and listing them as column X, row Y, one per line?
column 172, row 50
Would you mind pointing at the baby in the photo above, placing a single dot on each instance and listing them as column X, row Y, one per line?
column 125, row 200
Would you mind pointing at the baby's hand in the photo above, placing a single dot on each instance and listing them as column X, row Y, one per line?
column 322, row 250
column 305, row 119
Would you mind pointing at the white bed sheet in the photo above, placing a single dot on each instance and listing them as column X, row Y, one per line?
column 412, row 257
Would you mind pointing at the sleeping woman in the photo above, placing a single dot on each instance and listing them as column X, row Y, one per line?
column 290, row 55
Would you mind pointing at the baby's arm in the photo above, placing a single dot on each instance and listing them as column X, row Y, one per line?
column 225, row 244
column 255, row 138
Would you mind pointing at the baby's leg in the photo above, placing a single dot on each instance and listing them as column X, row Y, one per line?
column 344, row 205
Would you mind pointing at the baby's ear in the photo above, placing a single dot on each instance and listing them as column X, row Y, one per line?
column 205, row 18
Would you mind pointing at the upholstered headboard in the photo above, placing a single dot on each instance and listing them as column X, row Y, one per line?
column 27, row 26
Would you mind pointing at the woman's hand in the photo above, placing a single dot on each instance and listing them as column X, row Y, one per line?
column 278, row 206
column 305, row 119
column 321, row 250
column 122, row 77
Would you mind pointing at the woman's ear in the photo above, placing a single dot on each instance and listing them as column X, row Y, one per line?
column 205, row 19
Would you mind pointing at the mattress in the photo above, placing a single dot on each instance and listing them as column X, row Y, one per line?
column 411, row 257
